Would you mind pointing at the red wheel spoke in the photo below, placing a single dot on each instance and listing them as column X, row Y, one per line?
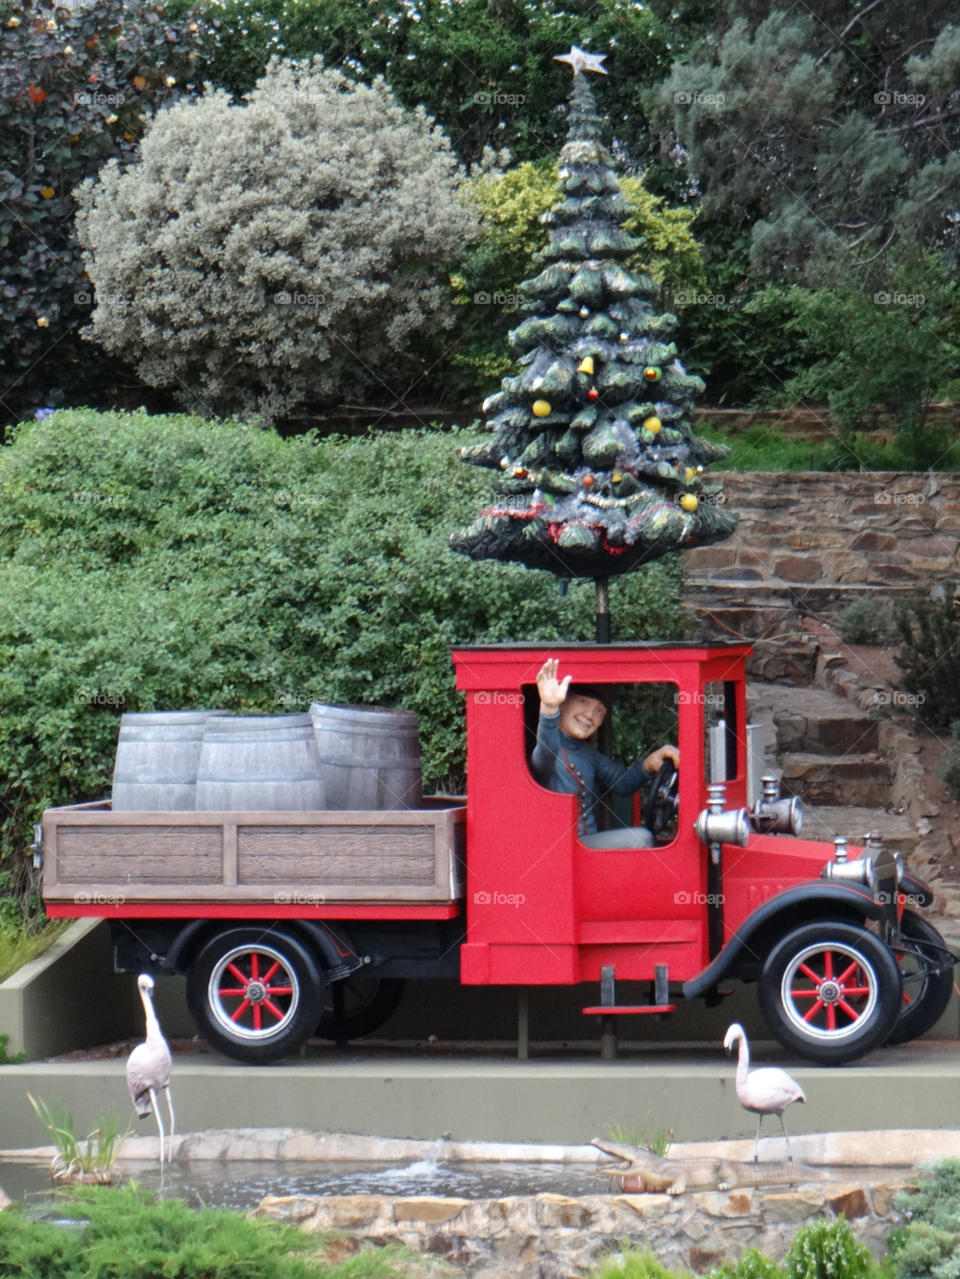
column 267, row 1003
column 225, row 991
column 256, row 1017
column 237, row 973
column 808, row 972
column 808, row 1016
column 254, row 966
column 279, row 990
column 857, row 990
column 831, row 1016
column 266, row 976
column 849, row 1010
column 844, row 976
column 804, row 994
column 827, row 966
column 906, row 998
column 242, row 1008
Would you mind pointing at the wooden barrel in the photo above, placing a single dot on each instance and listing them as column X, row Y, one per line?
column 369, row 756
column 259, row 763
column 156, row 765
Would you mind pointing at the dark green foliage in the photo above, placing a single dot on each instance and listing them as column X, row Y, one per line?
column 9, row 1061
column 929, row 656
column 441, row 55
column 864, row 622
column 950, row 770
column 752, row 1265
column 130, row 1235
column 75, row 89
column 166, row 562
column 928, row 1247
column 827, row 1250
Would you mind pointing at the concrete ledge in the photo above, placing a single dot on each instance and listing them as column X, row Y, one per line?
column 67, row 998
column 563, row 1103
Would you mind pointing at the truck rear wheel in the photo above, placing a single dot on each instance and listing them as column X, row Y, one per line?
column 367, row 1003
column 925, row 995
column 830, row 992
column 256, row 994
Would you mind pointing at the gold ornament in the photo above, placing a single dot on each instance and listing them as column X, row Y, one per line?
column 616, row 477
column 689, row 473
column 586, row 365
column 653, row 425
column 584, row 312
column 689, row 502
column 624, row 339
column 542, row 408
column 652, row 373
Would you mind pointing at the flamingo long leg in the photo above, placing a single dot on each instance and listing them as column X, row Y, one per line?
column 784, row 1127
column 756, row 1144
column 156, row 1111
column 170, row 1108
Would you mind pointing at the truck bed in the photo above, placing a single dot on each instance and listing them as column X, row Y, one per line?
column 93, row 857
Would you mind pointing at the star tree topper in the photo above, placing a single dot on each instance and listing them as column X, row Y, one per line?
column 580, row 60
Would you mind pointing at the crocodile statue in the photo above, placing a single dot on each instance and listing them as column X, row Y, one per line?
column 641, row 1170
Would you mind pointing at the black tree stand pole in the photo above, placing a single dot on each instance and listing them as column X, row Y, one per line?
column 602, row 607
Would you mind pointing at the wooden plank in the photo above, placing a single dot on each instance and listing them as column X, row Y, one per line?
column 342, row 854
column 422, row 817
column 230, row 854
column 124, row 855
column 215, row 894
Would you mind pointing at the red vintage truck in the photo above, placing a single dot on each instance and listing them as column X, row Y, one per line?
column 286, row 923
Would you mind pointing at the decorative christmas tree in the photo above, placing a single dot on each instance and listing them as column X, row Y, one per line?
column 600, row 468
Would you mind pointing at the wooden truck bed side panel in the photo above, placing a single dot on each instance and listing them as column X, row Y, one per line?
column 207, row 858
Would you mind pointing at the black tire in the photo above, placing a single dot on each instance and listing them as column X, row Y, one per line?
column 283, row 1013
column 925, row 996
column 851, row 1015
column 368, row 1003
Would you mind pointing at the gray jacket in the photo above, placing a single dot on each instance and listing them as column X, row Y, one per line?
column 574, row 767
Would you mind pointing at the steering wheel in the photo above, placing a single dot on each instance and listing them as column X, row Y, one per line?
column 661, row 807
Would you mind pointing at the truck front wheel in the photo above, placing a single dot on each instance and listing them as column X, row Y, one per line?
column 256, row 994
column 830, row 992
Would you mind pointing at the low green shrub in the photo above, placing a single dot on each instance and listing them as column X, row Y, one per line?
column 752, row 1265
column 929, row 1246
column 865, row 622
column 129, row 1235
column 169, row 562
column 928, row 630
column 9, row 1061
column 827, row 1250
column 633, row 1263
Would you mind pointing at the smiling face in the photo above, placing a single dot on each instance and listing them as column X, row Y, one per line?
column 581, row 716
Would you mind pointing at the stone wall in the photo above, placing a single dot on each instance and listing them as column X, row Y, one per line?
column 814, row 540
column 555, row 1237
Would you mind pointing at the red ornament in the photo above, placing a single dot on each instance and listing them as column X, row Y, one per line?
column 519, row 472
column 588, row 481
column 593, row 394
column 36, row 95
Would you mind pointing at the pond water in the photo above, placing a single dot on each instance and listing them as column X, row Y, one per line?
column 234, row 1184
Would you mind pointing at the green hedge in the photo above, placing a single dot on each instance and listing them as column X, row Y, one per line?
column 168, row 562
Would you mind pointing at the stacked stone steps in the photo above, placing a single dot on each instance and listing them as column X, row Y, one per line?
column 831, row 753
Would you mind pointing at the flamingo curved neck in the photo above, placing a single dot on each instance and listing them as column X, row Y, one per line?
column 743, row 1059
column 153, row 1026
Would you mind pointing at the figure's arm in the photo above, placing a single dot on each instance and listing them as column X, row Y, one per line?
column 552, row 696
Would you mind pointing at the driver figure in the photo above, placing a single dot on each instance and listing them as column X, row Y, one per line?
column 565, row 758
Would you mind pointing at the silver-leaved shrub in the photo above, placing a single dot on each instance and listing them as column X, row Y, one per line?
column 289, row 248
